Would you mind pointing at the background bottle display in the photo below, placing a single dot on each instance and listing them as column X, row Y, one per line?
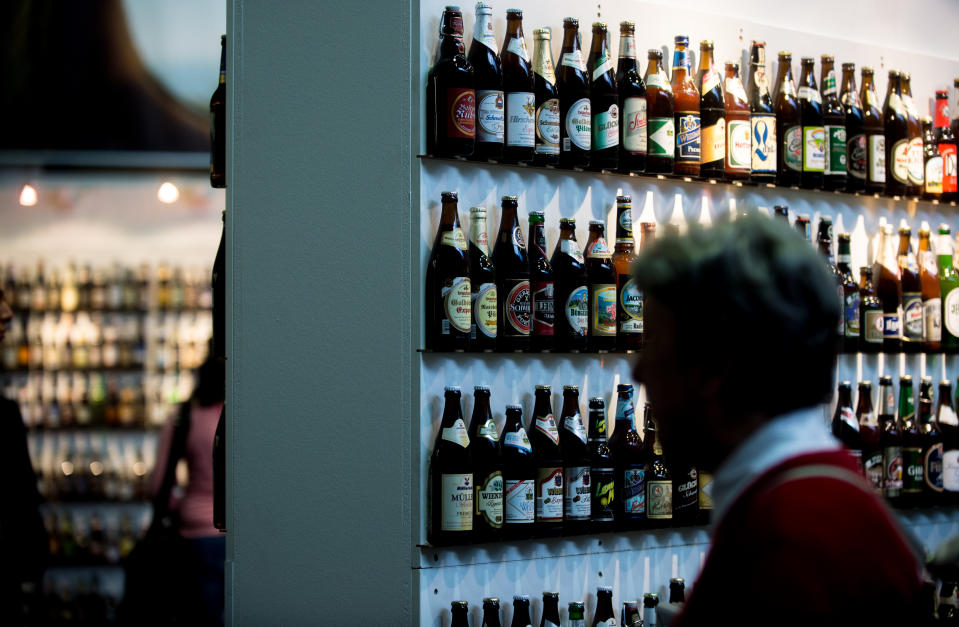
column 912, row 441
column 686, row 489
column 834, row 123
column 576, row 464
column 218, row 124
column 629, row 301
column 813, row 133
column 548, row 458
column 546, row 151
column 451, row 477
column 945, row 139
column 931, row 445
column 603, row 102
column 521, row 611
column 628, row 459
column 885, row 276
column 890, row 439
column 630, row 615
column 788, row 125
column 602, row 289
column 659, row 482
column 541, row 286
column 519, row 477
column 686, row 110
column 914, row 131
column 459, row 614
column 550, row 609
column 661, row 129
column 875, row 137
column 912, row 310
column 870, row 313
column 931, row 162
column 488, row 85
column 712, row 113
column 512, row 281
column 604, row 607
column 491, row 612
column 602, row 470
column 450, row 96
column 845, row 426
column 869, row 434
column 632, row 103
column 737, row 162
column 487, row 469
column 897, row 137
column 762, row 117
column 855, row 135
column 650, row 601
column 931, row 301
column 949, row 425
column 448, row 288
column 824, row 242
column 948, row 290
column 518, row 90
column 677, row 590
column 572, row 78
column 576, row 614
column 570, row 290
column 484, row 326
column 850, row 292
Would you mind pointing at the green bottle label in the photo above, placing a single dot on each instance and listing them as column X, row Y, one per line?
column 835, row 150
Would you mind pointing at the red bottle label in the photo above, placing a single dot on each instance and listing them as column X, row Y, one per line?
column 461, row 105
column 948, row 153
column 942, row 112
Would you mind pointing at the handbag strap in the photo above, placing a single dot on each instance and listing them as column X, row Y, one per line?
column 181, row 429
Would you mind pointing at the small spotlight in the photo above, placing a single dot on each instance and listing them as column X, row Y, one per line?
column 168, row 193
column 28, row 196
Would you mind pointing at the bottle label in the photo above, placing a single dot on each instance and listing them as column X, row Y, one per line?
column 547, row 127
column 705, row 491
column 634, row 490
column 604, row 310
column 714, row 142
column 912, row 466
column 604, row 492
column 950, row 470
column 877, row 158
column 543, row 65
column 517, row 309
column 846, row 415
column 483, row 32
column 461, row 106
column 488, row 500
column 603, row 64
column 574, row 60
column 915, row 161
column 605, row 128
column 626, row 223
column 457, row 300
column 571, row 248
column 933, row 180
column 631, row 303
column 634, row 125
column 949, row 178
column 519, row 501
column 892, row 467
column 518, row 440
column 520, row 123
column 662, row 138
column 793, row 155
column 687, row 493
column 574, row 425
column 577, row 310
column 829, row 84
column 659, row 81
column 835, row 150
column 950, row 312
column 912, row 316
column 947, row 416
column 659, row 499
column 457, row 434
column 932, row 467
column 874, row 470
column 735, row 87
column 478, row 234
column 900, row 161
column 688, row 137
column 599, row 249
column 547, row 426
column 485, row 309
column 578, row 121
column 851, row 313
column 577, row 494
column 457, row 508
column 627, row 47
column 932, row 320
column 874, row 326
column 814, row 148
column 711, row 81
column 809, row 93
column 549, row 494
column 738, row 144
column 518, row 239
column 763, row 142
column 489, row 116
column 488, row 430
column 517, row 45
column 543, row 314
column 454, row 238
column 856, row 156
column 891, row 326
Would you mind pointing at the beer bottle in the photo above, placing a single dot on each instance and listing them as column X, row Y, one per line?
column 931, row 162
column 948, row 290
column 914, row 131
column 659, row 482
column 855, row 134
column 541, row 286
column 483, row 329
column 630, row 615
column 518, row 87
column 931, row 301
column 834, row 122
column 512, row 281
column 949, row 426
column 762, row 117
column 782, row 213
column 602, row 472
column 870, row 314
column 911, row 444
column 803, row 226
column 737, row 160
column 218, row 125
column 813, row 132
column 845, row 427
column 629, row 305
column 576, row 463
column 576, row 614
column 570, row 290
column 521, row 611
column 548, row 458
column 574, row 108
column 460, row 614
column 945, row 139
column 519, row 477
column 824, row 242
column 712, row 111
column 686, row 491
column 604, row 607
column 911, row 293
column 450, row 95
column 627, row 453
column 632, row 103
column 451, row 477
column 661, row 130
column 550, row 610
column 890, row 439
column 603, row 102
column 487, row 469
column 897, row 137
column 875, row 135
column 650, row 601
column 955, row 116
column 789, row 140
column 602, row 290
column 931, row 445
column 886, row 279
column 850, row 291
column 869, row 432
column 490, row 106
column 448, row 291
column 948, row 611
column 677, row 590
column 491, row 612
column 546, row 151
column 686, row 110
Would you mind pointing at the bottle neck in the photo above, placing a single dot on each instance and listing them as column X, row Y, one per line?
column 624, row 411
column 223, row 63
column 450, row 216
column 567, row 233
column 624, row 224
column 705, row 60
column 808, row 77
column 570, row 39
column 597, row 424
column 478, row 235
column 452, row 411
column 784, row 79
column 652, row 66
column 828, row 79
column 944, row 249
column 680, row 63
column 543, row 60
column 508, row 220
column 627, row 47
column 537, row 240
column 483, row 30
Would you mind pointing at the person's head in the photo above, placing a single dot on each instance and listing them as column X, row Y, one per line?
column 6, row 315
column 740, row 325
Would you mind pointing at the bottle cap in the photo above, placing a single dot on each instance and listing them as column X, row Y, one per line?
column 521, row 597
column 604, row 589
column 481, row 388
column 491, row 601
column 571, row 22
column 681, row 39
column 848, row 66
column 623, row 200
column 542, row 33
column 655, row 53
column 807, row 60
column 596, row 223
column 510, row 199
column 447, row 196
column 453, row 388
column 483, row 8
column 567, row 221
column 517, row 12
column 785, row 54
column 514, row 406
column 543, row 387
column 827, row 58
column 459, row 604
column 571, row 388
column 536, row 212
column 477, row 211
